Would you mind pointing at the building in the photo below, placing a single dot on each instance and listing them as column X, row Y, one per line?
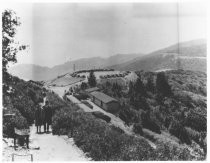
column 89, row 90
column 105, row 102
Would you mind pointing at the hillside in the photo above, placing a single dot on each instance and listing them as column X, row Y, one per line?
column 38, row 73
column 167, row 110
column 175, row 123
column 170, row 114
column 189, row 55
column 21, row 99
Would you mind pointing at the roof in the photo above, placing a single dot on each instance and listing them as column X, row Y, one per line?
column 92, row 89
column 103, row 97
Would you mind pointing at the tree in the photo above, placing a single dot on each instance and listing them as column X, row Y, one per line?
column 10, row 47
column 117, row 89
column 131, row 88
column 163, row 88
column 84, row 85
column 177, row 129
column 139, row 87
column 137, row 128
column 150, row 85
column 92, row 79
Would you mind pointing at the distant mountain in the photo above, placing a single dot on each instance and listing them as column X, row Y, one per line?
column 29, row 71
column 190, row 55
column 37, row 73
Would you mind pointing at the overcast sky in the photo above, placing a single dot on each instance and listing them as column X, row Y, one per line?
column 59, row 32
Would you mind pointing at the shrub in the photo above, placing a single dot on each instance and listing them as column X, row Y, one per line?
column 99, row 140
column 81, row 96
column 166, row 152
column 149, row 124
column 55, row 101
column 196, row 121
column 32, row 95
column 177, row 129
column 127, row 114
column 84, row 85
column 194, row 135
column 17, row 121
column 100, row 115
column 117, row 129
column 137, row 128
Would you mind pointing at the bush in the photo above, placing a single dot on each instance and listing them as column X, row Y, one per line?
column 194, row 135
column 166, row 152
column 128, row 115
column 177, row 129
column 55, row 101
column 100, row 115
column 83, row 86
column 99, row 140
column 17, row 121
column 149, row 124
column 137, row 128
column 196, row 122
column 81, row 96
column 117, row 129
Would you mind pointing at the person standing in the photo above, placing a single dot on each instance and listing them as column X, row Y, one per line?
column 43, row 118
column 48, row 116
column 38, row 118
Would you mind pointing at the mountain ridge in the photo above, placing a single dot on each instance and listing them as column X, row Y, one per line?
column 36, row 72
column 189, row 55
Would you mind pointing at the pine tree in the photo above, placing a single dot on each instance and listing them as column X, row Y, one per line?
column 139, row 87
column 131, row 88
column 92, row 79
column 150, row 85
column 163, row 88
column 83, row 85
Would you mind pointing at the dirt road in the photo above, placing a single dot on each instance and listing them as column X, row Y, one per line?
column 45, row 147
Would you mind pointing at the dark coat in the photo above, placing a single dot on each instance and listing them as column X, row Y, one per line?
column 48, row 114
column 43, row 115
column 38, row 116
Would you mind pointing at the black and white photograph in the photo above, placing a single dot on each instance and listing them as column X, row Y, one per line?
column 104, row 81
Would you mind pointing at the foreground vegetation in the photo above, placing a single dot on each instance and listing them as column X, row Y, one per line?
column 101, row 141
column 21, row 98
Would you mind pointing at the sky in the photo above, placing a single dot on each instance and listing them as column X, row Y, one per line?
column 59, row 32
